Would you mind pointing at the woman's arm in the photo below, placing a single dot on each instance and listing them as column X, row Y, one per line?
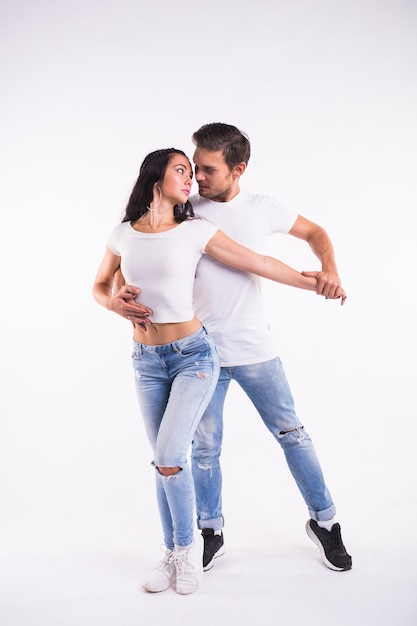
column 226, row 250
column 103, row 284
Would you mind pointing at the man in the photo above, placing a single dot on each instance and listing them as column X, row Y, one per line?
column 243, row 341
column 229, row 303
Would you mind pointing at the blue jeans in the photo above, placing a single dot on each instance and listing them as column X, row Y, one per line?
column 267, row 387
column 174, row 384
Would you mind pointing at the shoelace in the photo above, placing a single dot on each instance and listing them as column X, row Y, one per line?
column 180, row 561
column 165, row 561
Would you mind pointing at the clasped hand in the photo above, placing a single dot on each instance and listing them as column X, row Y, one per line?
column 328, row 285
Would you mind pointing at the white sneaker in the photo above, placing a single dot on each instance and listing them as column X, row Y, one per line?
column 162, row 576
column 189, row 566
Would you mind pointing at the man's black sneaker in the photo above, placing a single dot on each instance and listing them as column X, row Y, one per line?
column 213, row 547
column 333, row 552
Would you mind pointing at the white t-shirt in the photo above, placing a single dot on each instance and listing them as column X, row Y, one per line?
column 229, row 302
column 163, row 265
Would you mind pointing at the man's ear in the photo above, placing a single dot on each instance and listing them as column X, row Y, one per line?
column 239, row 169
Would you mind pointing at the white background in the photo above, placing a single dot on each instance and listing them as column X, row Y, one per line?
column 327, row 92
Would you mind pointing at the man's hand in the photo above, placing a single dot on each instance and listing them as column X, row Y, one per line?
column 123, row 303
column 328, row 285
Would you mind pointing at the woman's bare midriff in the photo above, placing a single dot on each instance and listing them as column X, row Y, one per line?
column 159, row 334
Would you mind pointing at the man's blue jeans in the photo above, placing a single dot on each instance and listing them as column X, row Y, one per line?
column 267, row 387
column 174, row 384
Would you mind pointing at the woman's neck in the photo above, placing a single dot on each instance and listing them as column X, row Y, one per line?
column 156, row 220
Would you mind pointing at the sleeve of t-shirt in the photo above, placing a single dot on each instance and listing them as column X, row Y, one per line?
column 113, row 241
column 208, row 229
column 281, row 218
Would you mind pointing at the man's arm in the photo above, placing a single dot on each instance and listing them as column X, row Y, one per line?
column 124, row 302
column 328, row 281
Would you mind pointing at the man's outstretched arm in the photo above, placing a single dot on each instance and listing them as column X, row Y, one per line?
column 328, row 280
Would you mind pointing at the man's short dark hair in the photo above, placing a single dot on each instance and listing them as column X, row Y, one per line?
column 234, row 144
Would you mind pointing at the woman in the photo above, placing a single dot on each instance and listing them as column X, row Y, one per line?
column 157, row 247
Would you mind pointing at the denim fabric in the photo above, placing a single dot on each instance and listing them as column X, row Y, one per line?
column 174, row 383
column 267, row 387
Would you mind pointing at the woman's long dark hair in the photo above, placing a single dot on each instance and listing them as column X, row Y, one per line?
column 152, row 171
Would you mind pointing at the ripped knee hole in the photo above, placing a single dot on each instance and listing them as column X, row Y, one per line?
column 292, row 430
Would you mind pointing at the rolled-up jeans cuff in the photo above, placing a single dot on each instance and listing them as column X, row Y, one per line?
column 215, row 523
column 323, row 516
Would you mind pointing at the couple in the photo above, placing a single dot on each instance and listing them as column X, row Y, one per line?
column 165, row 247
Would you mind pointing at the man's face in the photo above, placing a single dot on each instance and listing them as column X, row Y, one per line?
column 215, row 179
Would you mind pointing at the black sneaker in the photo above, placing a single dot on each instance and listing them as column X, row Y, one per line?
column 333, row 552
column 213, row 547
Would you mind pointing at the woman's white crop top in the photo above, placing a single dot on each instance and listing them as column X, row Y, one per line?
column 163, row 265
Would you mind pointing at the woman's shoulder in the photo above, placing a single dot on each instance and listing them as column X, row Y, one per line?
column 119, row 230
column 197, row 230
column 202, row 223
column 122, row 226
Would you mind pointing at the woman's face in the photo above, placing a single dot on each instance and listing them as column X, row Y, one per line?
column 178, row 178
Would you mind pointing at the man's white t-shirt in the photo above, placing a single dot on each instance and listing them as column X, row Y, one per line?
column 163, row 265
column 229, row 302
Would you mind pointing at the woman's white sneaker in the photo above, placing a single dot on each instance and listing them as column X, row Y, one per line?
column 189, row 567
column 162, row 576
